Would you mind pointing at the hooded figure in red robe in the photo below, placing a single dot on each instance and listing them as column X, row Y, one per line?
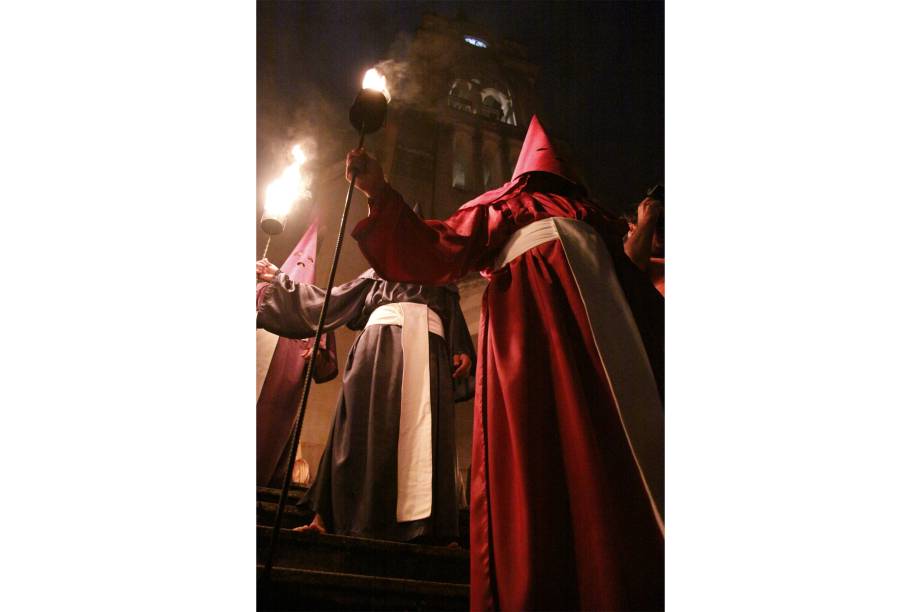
column 566, row 508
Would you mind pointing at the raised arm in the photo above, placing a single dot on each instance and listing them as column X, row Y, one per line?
column 402, row 247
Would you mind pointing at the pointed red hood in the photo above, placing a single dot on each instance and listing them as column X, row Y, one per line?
column 537, row 155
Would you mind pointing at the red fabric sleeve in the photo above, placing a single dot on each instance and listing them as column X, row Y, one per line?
column 402, row 247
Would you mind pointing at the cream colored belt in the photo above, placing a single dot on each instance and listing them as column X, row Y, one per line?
column 617, row 341
column 393, row 314
column 414, row 449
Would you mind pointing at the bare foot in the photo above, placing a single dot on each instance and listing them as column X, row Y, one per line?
column 315, row 525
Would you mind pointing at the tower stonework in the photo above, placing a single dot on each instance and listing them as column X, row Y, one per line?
column 457, row 131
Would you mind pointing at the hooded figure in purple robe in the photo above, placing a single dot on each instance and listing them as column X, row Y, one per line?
column 389, row 469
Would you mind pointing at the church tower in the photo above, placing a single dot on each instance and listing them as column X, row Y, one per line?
column 462, row 103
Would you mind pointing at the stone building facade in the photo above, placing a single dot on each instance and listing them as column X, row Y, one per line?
column 459, row 131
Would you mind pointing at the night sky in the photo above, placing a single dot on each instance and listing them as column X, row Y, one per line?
column 601, row 84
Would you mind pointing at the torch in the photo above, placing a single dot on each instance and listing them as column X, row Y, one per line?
column 367, row 116
column 280, row 195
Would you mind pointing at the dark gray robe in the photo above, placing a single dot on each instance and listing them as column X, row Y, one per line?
column 355, row 490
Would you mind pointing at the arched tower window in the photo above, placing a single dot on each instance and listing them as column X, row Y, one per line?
column 491, row 101
column 463, row 96
column 497, row 105
column 492, row 108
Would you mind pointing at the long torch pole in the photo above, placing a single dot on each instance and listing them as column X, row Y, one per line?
column 305, row 393
column 267, row 243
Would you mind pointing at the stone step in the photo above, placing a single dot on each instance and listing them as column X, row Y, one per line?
column 300, row 589
column 362, row 556
column 292, row 517
column 295, row 517
column 269, row 494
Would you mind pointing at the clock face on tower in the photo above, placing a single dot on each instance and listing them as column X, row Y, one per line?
column 476, row 42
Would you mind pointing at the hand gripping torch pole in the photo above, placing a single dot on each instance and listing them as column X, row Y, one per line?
column 367, row 116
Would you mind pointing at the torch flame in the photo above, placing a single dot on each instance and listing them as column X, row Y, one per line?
column 289, row 187
column 376, row 81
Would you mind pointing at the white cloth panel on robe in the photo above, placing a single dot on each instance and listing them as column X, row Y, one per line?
column 617, row 340
column 414, row 448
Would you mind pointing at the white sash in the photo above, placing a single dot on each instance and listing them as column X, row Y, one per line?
column 616, row 338
column 414, row 449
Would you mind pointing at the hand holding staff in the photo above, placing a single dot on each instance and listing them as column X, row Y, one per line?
column 367, row 172
column 266, row 271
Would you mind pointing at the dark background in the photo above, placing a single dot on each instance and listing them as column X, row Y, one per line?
column 601, row 83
